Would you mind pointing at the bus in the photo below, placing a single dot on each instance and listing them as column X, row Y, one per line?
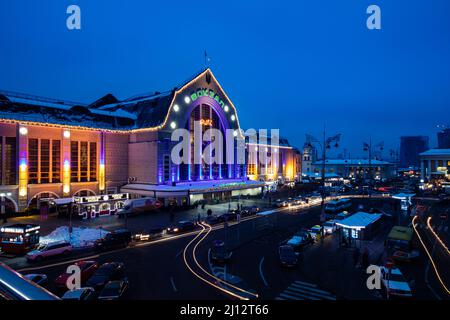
column 336, row 206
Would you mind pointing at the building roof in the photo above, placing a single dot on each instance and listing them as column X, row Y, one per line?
column 436, row 152
column 108, row 112
column 196, row 187
column 353, row 162
column 359, row 220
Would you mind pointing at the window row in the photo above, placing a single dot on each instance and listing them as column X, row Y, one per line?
column 44, row 161
column 83, row 160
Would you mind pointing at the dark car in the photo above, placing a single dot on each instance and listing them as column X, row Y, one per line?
column 82, row 294
column 181, row 226
column 40, row 279
column 87, row 269
column 219, row 252
column 116, row 239
column 248, row 211
column 211, row 220
column 147, row 235
column 288, row 256
column 114, row 290
column 107, row 272
column 228, row 217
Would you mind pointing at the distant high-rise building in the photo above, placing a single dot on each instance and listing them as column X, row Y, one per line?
column 410, row 147
column 443, row 138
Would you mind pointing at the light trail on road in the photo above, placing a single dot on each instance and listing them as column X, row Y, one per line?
column 436, row 235
column 213, row 276
column 429, row 256
column 202, row 278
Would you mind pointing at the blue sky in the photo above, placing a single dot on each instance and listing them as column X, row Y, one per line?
column 292, row 65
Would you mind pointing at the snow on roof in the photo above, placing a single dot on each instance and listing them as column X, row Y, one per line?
column 436, row 152
column 195, row 187
column 352, row 162
column 359, row 220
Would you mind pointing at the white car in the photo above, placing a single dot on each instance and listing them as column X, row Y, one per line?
column 395, row 283
column 49, row 250
column 329, row 227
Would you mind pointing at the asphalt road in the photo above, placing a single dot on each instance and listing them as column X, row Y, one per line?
column 158, row 270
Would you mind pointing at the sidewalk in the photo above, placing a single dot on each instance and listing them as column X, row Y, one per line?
column 135, row 223
column 332, row 267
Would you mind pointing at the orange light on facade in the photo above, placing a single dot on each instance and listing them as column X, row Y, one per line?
column 101, row 177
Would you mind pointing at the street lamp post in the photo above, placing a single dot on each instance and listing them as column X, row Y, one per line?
column 368, row 147
column 324, row 145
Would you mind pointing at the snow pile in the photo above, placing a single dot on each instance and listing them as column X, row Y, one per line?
column 81, row 237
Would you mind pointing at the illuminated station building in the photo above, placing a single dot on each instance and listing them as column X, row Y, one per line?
column 280, row 163
column 52, row 149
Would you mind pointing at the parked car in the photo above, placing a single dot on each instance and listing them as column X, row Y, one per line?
column 403, row 256
column 329, row 227
column 87, row 269
column 147, row 235
column 280, row 203
column 300, row 240
column 211, row 220
column 181, row 226
column 115, row 239
column 316, row 232
column 80, row 294
column 288, row 256
column 395, row 283
column 219, row 252
column 106, row 272
column 300, row 200
column 227, row 217
column 248, row 211
column 114, row 290
column 40, row 279
column 49, row 250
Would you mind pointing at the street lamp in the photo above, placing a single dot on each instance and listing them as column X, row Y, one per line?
column 327, row 143
column 370, row 148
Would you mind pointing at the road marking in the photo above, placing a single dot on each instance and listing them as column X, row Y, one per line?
column 188, row 234
column 261, row 272
column 430, row 257
column 173, row 284
column 299, row 290
column 58, row 263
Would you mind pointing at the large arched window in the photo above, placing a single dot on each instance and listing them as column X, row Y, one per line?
column 208, row 118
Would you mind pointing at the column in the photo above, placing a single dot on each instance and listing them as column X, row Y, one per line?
column 22, row 137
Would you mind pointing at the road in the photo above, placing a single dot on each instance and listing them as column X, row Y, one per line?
column 158, row 270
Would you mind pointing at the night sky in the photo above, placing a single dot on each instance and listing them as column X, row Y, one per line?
column 288, row 65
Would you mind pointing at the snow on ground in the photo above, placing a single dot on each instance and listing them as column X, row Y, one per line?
column 81, row 237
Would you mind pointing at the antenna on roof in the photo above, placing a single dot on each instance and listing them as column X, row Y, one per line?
column 207, row 60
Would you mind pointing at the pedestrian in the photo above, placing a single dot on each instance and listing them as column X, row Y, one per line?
column 198, row 218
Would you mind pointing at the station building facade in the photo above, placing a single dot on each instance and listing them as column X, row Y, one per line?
column 61, row 149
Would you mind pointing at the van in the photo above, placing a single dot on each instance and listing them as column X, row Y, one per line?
column 116, row 239
column 140, row 205
column 335, row 206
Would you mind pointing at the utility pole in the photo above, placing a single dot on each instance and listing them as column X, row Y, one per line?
column 325, row 144
column 368, row 147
